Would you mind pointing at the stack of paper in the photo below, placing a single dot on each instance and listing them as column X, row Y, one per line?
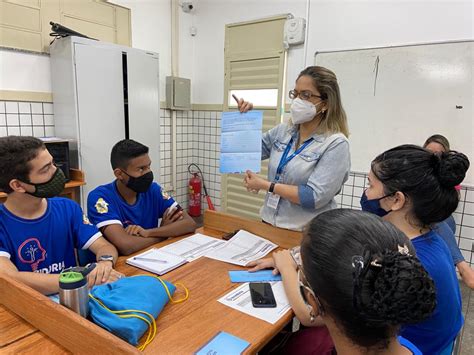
column 242, row 248
column 193, row 247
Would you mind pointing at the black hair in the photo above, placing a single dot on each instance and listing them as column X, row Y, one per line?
column 385, row 289
column 15, row 154
column 426, row 178
column 124, row 151
column 441, row 140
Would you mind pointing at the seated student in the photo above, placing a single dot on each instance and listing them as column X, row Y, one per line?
column 360, row 275
column 440, row 144
column 414, row 189
column 38, row 232
column 129, row 209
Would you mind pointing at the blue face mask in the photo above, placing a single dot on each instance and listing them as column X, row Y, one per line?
column 373, row 206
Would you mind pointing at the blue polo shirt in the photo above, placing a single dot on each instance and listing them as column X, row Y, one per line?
column 105, row 206
column 46, row 244
column 434, row 334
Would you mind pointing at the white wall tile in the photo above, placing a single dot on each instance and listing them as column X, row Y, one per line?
column 37, row 107
column 48, row 120
column 38, row 131
column 24, row 107
column 26, row 130
column 3, row 118
column 38, row 120
column 11, row 107
column 13, row 130
column 25, row 120
column 13, row 119
column 3, row 131
column 2, row 106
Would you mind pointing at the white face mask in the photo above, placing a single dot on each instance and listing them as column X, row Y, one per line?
column 302, row 111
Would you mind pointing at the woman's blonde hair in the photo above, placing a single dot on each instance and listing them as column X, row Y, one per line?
column 334, row 119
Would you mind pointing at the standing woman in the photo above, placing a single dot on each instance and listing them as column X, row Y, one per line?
column 309, row 158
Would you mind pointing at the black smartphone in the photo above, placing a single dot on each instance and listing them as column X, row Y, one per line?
column 262, row 295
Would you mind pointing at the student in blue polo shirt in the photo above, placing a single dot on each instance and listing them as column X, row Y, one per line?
column 38, row 232
column 132, row 211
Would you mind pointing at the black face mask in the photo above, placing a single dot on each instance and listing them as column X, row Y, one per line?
column 52, row 187
column 140, row 184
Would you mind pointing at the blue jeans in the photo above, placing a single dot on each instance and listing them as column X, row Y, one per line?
column 446, row 232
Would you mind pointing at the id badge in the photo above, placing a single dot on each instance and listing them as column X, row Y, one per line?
column 273, row 200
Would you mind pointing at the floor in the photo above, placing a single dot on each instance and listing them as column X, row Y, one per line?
column 467, row 337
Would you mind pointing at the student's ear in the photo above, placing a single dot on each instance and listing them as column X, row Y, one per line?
column 119, row 174
column 399, row 200
column 17, row 186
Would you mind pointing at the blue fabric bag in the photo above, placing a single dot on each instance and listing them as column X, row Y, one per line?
column 129, row 306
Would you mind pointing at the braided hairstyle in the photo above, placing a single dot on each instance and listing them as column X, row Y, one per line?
column 427, row 179
column 366, row 276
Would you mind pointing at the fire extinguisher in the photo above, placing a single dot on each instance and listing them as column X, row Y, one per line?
column 194, row 192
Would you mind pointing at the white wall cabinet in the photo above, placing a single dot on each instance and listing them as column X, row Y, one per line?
column 103, row 93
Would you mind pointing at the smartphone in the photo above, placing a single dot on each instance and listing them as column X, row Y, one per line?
column 262, row 295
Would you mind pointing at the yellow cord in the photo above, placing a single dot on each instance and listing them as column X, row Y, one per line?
column 151, row 323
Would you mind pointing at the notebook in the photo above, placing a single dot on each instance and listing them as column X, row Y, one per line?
column 156, row 261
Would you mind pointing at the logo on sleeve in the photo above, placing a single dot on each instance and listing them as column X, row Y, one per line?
column 165, row 195
column 101, row 206
column 31, row 252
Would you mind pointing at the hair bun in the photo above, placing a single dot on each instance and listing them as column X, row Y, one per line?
column 401, row 290
column 451, row 168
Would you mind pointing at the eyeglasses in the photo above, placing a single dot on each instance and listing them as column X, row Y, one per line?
column 303, row 283
column 303, row 95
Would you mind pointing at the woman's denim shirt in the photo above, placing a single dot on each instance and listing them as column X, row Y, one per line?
column 319, row 171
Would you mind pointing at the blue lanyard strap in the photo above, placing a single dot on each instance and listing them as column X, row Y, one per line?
column 285, row 159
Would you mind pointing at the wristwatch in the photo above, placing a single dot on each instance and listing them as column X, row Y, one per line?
column 106, row 258
column 271, row 188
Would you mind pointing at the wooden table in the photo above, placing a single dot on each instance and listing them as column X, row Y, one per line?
column 182, row 328
column 71, row 188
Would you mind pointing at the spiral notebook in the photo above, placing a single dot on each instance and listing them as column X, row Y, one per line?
column 156, row 261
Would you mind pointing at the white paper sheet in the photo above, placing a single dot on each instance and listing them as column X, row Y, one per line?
column 193, row 247
column 241, row 141
column 242, row 248
column 240, row 300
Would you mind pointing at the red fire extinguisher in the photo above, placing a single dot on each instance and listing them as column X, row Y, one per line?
column 194, row 192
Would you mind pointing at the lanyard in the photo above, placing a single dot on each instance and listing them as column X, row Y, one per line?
column 285, row 159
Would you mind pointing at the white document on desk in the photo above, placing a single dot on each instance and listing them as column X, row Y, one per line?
column 193, row 247
column 240, row 300
column 242, row 248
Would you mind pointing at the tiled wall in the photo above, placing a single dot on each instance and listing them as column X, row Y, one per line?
column 26, row 119
column 198, row 139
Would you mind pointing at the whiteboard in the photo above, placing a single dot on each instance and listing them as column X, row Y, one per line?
column 404, row 94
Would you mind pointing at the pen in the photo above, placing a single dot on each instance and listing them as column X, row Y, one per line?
column 150, row 259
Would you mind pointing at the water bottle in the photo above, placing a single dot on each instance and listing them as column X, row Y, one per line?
column 73, row 290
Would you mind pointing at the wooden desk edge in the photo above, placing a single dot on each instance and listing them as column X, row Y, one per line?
column 57, row 322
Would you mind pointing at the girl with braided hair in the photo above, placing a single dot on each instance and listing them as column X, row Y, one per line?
column 414, row 189
column 361, row 275
column 359, row 281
